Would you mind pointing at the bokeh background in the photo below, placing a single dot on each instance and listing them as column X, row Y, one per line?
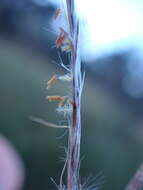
column 112, row 101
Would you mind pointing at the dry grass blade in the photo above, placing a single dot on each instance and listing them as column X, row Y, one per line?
column 46, row 123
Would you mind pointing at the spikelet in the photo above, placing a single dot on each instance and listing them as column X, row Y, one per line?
column 61, row 103
column 57, row 13
column 60, row 99
column 61, row 38
column 69, row 101
column 54, row 78
column 65, row 110
column 63, row 31
column 63, row 41
column 66, row 77
column 55, row 98
column 66, row 48
column 52, row 81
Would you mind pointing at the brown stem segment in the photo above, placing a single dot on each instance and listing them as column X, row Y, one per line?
column 75, row 125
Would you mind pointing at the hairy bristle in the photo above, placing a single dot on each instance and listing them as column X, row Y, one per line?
column 65, row 110
column 66, row 77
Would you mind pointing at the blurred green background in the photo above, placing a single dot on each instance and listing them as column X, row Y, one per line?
column 112, row 143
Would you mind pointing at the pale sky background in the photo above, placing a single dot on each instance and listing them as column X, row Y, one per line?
column 112, row 25
column 109, row 25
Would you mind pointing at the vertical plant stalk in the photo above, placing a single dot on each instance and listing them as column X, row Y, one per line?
column 74, row 138
column 136, row 182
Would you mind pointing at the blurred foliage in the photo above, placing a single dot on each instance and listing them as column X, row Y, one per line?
column 109, row 143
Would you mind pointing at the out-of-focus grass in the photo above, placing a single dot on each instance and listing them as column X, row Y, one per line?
column 108, row 141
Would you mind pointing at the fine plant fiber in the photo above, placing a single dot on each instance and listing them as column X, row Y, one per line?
column 66, row 20
column 69, row 105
